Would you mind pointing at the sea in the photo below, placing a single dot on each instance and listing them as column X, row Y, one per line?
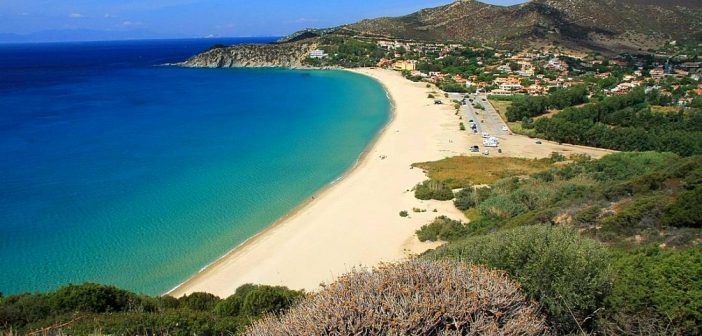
column 116, row 169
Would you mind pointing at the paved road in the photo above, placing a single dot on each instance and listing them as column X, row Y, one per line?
column 487, row 120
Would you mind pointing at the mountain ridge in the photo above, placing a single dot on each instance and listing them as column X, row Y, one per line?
column 600, row 25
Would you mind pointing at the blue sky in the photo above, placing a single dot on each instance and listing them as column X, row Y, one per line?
column 197, row 18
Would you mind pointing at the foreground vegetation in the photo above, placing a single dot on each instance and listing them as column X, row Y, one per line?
column 608, row 246
column 414, row 298
column 90, row 308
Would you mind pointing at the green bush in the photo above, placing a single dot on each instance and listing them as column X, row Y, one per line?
column 95, row 308
column 470, row 197
column 268, row 299
column 442, row 228
column 404, row 213
column 501, row 207
column 199, row 301
column 656, row 292
column 569, row 275
column 433, row 190
column 91, row 298
column 687, row 210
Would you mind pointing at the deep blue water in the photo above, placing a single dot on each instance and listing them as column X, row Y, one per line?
column 118, row 171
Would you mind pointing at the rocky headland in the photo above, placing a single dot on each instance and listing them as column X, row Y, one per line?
column 274, row 55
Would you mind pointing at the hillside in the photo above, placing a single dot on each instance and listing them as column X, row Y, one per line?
column 288, row 55
column 606, row 25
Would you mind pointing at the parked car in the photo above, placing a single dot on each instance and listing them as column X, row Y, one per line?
column 504, row 128
column 474, row 149
column 438, row 102
column 538, row 142
column 486, row 152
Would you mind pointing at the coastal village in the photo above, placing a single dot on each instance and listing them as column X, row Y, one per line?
column 675, row 71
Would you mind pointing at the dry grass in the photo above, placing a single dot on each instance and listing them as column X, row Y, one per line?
column 463, row 171
column 501, row 107
column 548, row 114
column 664, row 109
column 418, row 297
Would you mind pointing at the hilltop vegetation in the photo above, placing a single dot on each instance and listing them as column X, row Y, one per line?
column 610, row 246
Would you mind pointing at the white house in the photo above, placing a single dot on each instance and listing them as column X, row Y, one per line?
column 318, row 53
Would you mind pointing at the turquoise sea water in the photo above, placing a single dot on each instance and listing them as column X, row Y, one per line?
column 117, row 171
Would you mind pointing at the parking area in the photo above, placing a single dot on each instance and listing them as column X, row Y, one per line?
column 482, row 120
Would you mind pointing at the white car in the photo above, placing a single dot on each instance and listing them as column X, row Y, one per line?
column 485, row 135
column 504, row 128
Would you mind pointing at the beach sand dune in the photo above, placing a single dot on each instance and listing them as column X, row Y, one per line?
column 356, row 220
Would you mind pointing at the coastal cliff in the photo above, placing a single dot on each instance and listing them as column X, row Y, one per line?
column 287, row 55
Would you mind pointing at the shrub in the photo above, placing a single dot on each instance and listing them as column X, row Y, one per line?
column 656, row 292
column 687, row 210
column 442, row 228
column 433, row 190
column 418, row 297
column 557, row 157
column 404, row 213
column 91, row 298
column 199, row 301
column 107, row 310
column 567, row 274
column 501, row 207
column 268, row 299
column 470, row 197
column 230, row 306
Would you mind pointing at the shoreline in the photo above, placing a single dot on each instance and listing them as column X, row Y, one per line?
column 354, row 221
column 221, row 277
column 314, row 197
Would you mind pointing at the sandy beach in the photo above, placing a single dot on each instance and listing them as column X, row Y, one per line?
column 356, row 220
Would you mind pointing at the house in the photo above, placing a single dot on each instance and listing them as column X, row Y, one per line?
column 318, row 53
column 657, row 72
column 536, row 90
column 409, row 65
column 384, row 63
column 692, row 67
column 509, row 84
column 500, row 92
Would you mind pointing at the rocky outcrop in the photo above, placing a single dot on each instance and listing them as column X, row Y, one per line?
column 283, row 55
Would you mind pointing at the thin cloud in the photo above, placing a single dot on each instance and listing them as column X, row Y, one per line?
column 75, row 15
column 130, row 23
